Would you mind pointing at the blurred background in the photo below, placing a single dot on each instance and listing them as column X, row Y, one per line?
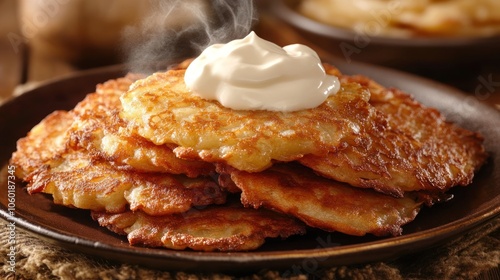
column 456, row 42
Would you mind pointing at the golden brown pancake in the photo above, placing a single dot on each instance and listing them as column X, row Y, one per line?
column 161, row 109
column 45, row 140
column 50, row 162
column 77, row 180
column 214, row 228
column 99, row 129
column 377, row 144
column 409, row 148
column 322, row 203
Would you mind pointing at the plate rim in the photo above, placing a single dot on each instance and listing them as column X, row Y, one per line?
column 233, row 262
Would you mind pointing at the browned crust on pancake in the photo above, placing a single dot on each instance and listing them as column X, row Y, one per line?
column 45, row 140
column 216, row 228
column 322, row 203
column 161, row 109
column 99, row 129
column 409, row 147
column 78, row 180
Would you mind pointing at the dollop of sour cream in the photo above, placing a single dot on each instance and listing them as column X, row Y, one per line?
column 255, row 74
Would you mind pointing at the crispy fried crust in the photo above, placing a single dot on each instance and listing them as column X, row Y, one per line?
column 45, row 140
column 161, row 109
column 216, row 228
column 51, row 160
column 78, row 180
column 322, row 203
column 446, row 146
column 392, row 143
column 408, row 148
column 98, row 128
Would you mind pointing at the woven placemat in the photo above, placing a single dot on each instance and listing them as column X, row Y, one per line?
column 465, row 257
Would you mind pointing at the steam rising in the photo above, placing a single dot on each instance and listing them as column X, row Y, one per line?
column 179, row 29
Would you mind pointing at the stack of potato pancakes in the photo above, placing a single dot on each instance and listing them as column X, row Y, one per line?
column 157, row 163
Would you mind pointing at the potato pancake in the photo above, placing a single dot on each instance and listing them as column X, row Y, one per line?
column 322, row 203
column 99, row 129
column 78, row 180
column 161, row 109
column 44, row 141
column 410, row 148
column 214, row 228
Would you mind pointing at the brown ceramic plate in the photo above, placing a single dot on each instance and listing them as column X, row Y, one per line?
column 74, row 229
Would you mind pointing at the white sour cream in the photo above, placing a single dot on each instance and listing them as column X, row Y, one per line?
column 255, row 74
